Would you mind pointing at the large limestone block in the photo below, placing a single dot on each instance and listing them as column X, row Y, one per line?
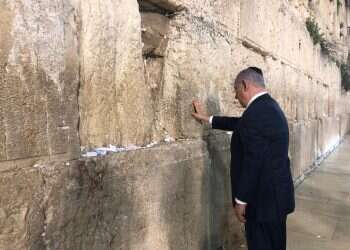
column 39, row 79
column 224, row 14
column 326, row 71
column 156, row 198
column 284, row 36
column 274, row 80
column 308, row 146
column 343, row 104
column 333, row 96
column 304, row 85
column 201, row 63
column 301, row 140
column 291, row 79
column 146, row 199
column 115, row 102
column 311, row 153
column 312, row 100
column 322, row 100
column 21, row 214
column 344, row 124
column 290, row 88
column 328, row 134
column 224, row 228
column 197, row 65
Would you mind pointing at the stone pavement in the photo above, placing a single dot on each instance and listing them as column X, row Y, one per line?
column 322, row 217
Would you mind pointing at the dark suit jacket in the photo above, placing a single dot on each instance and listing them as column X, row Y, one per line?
column 260, row 167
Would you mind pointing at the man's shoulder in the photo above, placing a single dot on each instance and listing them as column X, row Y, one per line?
column 265, row 112
column 260, row 106
column 265, row 103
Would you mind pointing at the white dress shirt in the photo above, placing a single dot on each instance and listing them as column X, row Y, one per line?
column 250, row 102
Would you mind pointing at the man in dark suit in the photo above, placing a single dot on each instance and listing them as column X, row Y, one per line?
column 261, row 180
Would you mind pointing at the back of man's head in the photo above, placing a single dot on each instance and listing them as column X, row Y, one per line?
column 253, row 75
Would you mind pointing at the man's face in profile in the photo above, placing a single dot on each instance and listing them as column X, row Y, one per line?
column 239, row 87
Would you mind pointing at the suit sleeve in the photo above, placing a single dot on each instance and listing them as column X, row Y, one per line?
column 255, row 146
column 225, row 123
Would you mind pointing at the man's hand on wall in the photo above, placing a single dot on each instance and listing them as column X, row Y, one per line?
column 198, row 113
column 240, row 212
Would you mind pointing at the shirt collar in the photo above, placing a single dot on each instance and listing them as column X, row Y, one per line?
column 255, row 97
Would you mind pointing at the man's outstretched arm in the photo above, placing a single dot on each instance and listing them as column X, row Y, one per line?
column 216, row 122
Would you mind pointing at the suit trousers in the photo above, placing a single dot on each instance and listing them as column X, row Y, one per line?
column 269, row 235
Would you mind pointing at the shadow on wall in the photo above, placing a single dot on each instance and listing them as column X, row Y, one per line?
column 225, row 230
column 186, row 213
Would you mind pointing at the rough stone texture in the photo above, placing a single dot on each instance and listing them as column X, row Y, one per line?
column 142, row 199
column 225, row 230
column 125, row 72
column 154, row 34
column 194, row 49
column 21, row 215
column 115, row 102
column 39, row 79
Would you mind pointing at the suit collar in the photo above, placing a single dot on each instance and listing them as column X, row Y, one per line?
column 255, row 97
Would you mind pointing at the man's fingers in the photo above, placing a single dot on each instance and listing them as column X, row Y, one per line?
column 198, row 113
column 242, row 219
column 240, row 213
column 197, row 106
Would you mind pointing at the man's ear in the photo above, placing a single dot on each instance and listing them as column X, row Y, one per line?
column 244, row 83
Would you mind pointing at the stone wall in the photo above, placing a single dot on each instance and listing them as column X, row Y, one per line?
column 75, row 75
column 39, row 77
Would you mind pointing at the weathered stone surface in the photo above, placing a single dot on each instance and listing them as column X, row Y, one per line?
column 225, row 230
column 115, row 102
column 154, row 34
column 332, row 19
column 328, row 134
column 134, row 67
column 146, row 199
column 39, row 79
column 200, row 55
column 344, row 125
column 21, row 215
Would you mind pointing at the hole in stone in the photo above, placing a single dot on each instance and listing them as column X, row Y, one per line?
column 155, row 22
column 157, row 6
column 154, row 34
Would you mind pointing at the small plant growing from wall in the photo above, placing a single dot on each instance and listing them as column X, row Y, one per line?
column 314, row 30
column 345, row 76
column 339, row 4
column 317, row 36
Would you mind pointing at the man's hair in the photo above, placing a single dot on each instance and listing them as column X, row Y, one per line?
column 252, row 74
